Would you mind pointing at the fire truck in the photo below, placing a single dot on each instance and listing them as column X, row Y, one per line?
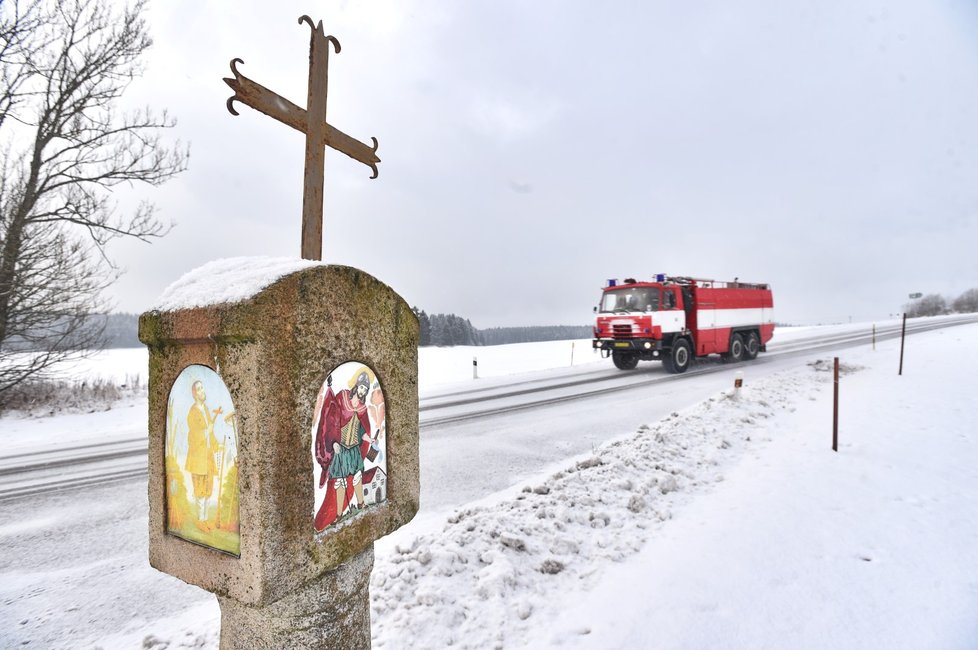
column 677, row 319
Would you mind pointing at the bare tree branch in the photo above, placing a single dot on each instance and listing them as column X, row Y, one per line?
column 64, row 64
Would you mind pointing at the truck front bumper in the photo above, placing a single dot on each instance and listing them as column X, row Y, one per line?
column 642, row 346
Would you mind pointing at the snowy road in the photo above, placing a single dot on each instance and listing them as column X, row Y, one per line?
column 457, row 406
column 33, row 472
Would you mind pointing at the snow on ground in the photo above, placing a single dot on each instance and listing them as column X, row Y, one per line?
column 729, row 524
column 117, row 364
column 125, row 420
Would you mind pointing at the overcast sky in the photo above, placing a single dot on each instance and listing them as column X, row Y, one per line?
column 531, row 150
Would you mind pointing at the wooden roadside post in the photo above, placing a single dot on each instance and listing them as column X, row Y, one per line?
column 310, row 376
column 903, row 337
column 835, row 405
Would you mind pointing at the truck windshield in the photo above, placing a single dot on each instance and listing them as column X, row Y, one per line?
column 632, row 299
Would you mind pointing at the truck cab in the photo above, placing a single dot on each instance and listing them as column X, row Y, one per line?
column 634, row 319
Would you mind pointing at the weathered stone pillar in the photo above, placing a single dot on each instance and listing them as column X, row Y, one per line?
column 333, row 612
column 283, row 440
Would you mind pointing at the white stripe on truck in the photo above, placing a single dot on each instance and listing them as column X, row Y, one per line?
column 723, row 318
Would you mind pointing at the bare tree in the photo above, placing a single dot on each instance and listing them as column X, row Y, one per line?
column 967, row 302
column 933, row 304
column 64, row 147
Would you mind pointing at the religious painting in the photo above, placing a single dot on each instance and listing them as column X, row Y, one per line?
column 202, row 461
column 349, row 445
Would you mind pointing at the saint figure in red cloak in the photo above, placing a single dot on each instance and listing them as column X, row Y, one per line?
column 342, row 442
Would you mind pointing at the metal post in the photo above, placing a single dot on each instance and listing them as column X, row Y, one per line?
column 903, row 336
column 835, row 407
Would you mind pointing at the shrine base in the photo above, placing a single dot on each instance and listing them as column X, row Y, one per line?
column 333, row 612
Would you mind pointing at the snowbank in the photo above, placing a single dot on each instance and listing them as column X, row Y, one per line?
column 498, row 571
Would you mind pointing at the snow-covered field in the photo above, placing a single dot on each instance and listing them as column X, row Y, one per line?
column 729, row 523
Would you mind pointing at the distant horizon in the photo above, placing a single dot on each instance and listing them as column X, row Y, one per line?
column 591, row 322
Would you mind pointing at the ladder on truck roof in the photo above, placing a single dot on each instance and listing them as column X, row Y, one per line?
column 710, row 284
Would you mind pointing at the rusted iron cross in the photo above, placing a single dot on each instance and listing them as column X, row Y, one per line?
column 312, row 122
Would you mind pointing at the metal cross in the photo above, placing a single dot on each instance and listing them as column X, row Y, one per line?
column 312, row 122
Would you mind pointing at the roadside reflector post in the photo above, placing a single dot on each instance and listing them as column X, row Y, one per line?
column 738, row 383
column 572, row 353
column 874, row 337
column 835, row 406
column 903, row 336
column 475, row 367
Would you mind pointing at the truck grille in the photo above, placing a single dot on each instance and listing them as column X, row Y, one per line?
column 622, row 331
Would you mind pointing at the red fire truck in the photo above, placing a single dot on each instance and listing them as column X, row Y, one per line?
column 676, row 319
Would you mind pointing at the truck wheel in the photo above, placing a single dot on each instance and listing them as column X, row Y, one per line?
column 679, row 357
column 736, row 352
column 625, row 360
column 752, row 346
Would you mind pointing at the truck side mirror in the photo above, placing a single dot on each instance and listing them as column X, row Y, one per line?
column 595, row 310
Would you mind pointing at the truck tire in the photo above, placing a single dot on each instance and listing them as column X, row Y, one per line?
column 736, row 351
column 679, row 357
column 752, row 346
column 624, row 360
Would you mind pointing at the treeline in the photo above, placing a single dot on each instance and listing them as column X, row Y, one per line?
column 935, row 304
column 502, row 335
column 114, row 331
column 449, row 329
column 446, row 329
column 120, row 331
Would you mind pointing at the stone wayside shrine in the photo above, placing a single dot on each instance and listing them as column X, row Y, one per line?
column 283, row 420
